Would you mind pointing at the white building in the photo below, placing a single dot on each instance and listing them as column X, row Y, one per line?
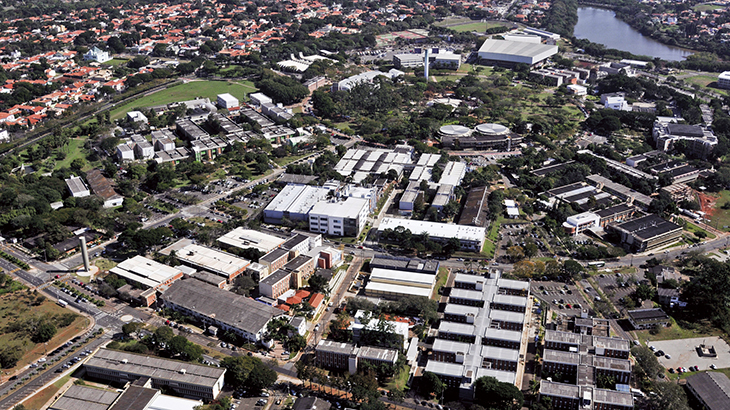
column 242, row 238
column 723, row 80
column 700, row 140
column 77, row 187
column 515, row 52
column 228, row 101
column 260, row 99
column 137, row 116
column 4, row 136
column 340, row 218
column 453, row 173
column 95, row 54
column 578, row 223
column 576, row 89
column 125, row 152
column 294, row 203
column 471, row 238
column 512, row 211
column 144, row 150
column 367, row 77
column 615, row 101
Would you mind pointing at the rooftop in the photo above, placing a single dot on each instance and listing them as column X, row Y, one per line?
column 87, row 398
column 647, row 314
column 558, row 356
column 648, row 226
column 215, row 261
column 145, row 271
column 334, row 347
column 234, row 310
column 436, row 229
column 248, row 238
column 518, row 48
column 156, row 368
column 712, row 387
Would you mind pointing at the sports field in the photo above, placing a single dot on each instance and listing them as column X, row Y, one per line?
column 188, row 91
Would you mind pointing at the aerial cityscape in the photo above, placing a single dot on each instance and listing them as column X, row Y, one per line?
column 305, row 205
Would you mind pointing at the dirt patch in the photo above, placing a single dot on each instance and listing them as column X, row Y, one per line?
column 707, row 203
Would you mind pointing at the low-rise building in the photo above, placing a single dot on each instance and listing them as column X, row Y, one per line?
column 221, row 263
column 147, row 274
column 700, row 141
column 647, row 233
column 77, row 187
column 220, row 308
column 184, row 378
column 102, row 187
column 339, row 218
column 711, row 389
column 471, row 238
column 276, row 284
column 227, row 101
column 242, row 238
column 293, row 203
column 648, row 318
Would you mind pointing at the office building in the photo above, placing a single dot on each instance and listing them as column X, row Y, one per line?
column 293, row 203
column 147, row 274
column 339, row 218
column 471, row 238
column 700, row 140
column 572, row 397
column 396, row 284
column 723, row 80
column 276, row 284
column 138, row 395
column 360, row 163
column 648, row 318
column 711, row 389
column 510, row 53
column 345, row 356
column 242, row 238
column 227, row 101
column 367, row 77
column 199, row 257
column 183, row 378
column 647, row 233
column 632, row 197
column 220, row 308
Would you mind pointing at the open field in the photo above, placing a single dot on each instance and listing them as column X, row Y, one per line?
column 707, row 81
column 73, row 150
column 115, row 62
column 694, row 229
column 20, row 306
column 707, row 7
column 187, row 91
column 719, row 217
column 479, row 27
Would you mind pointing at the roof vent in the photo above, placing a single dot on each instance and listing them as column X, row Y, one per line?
column 183, row 371
column 125, row 361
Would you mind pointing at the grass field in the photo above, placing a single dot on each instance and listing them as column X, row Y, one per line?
column 721, row 217
column 75, row 149
column 673, row 332
column 479, row 27
column 706, row 81
column 187, row 91
column 115, row 62
column 37, row 401
column 706, row 7
column 398, row 382
column 441, row 279
column 16, row 307
column 695, row 229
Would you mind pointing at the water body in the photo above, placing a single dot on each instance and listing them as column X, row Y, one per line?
column 603, row 27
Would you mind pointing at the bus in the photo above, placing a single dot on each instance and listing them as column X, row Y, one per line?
column 596, row 264
column 62, row 303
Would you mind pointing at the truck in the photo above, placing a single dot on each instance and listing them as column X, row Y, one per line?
column 62, row 303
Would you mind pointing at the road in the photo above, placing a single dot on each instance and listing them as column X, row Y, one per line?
column 638, row 260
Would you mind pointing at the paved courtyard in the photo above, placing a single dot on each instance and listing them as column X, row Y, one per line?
column 683, row 352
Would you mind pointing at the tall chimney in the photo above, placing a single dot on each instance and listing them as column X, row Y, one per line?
column 84, row 253
column 425, row 64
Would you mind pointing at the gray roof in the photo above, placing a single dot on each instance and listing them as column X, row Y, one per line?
column 155, row 367
column 559, row 389
column 613, row 343
column 620, row 398
column 227, row 307
column 406, row 264
column 649, row 226
column 87, row 398
column 275, row 277
column 558, row 356
column 311, row 403
column 713, row 388
column 334, row 347
column 274, row 255
column 562, row 337
column 647, row 314
column 134, row 398
column 502, row 334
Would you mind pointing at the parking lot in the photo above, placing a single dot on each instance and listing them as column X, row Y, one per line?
column 682, row 353
column 562, row 297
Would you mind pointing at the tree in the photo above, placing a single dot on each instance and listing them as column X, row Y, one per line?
column 132, row 327
column 645, row 292
column 669, row 395
column 431, row 384
column 261, row 377
column 248, row 371
column 572, row 268
column 44, row 332
column 493, row 394
column 163, row 335
column 319, row 284
column 296, row 343
column 364, row 386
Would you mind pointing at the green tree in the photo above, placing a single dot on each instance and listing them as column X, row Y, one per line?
column 493, row 394
column 44, row 332
column 431, row 384
column 132, row 327
column 163, row 335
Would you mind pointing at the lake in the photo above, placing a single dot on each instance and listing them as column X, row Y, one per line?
column 603, row 27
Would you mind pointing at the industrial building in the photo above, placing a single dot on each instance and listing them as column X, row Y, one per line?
column 102, row 187
column 648, row 318
column 294, row 203
column 220, row 263
column 183, row 378
column 147, row 274
column 395, row 284
column 475, row 210
column 700, row 140
column 510, row 53
column 220, row 308
column 339, row 218
column 647, row 233
column 471, row 238
column 77, row 187
column 471, row 340
column 242, row 238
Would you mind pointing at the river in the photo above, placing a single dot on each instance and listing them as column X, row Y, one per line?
column 603, row 27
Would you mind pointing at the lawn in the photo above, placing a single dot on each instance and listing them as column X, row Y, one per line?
column 284, row 161
column 74, row 149
column 707, row 81
column 115, row 62
column 674, row 332
column 707, row 7
column 17, row 307
column 39, row 399
column 187, row 91
column 441, row 279
column 478, row 26
column 398, row 382
column 720, row 218
column 694, row 229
